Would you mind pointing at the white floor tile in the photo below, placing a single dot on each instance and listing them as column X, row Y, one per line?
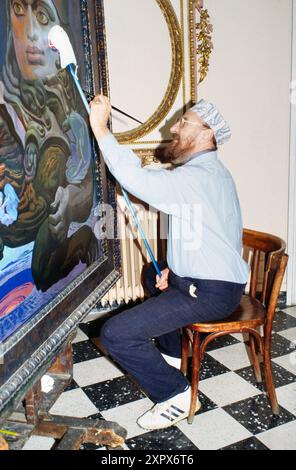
column 234, row 357
column 289, row 334
column 127, row 415
column 74, row 403
column 94, row 371
column 39, row 443
column 213, row 430
column 80, row 336
column 280, row 438
column 227, row 388
column 240, row 336
column 288, row 361
column 287, row 397
column 244, row 337
column 291, row 311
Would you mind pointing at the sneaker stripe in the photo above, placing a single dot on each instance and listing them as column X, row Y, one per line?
column 170, row 414
column 173, row 413
column 167, row 417
column 177, row 409
column 174, row 410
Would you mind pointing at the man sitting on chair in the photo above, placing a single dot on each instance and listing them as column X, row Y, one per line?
column 205, row 275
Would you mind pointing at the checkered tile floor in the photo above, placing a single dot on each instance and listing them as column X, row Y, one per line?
column 235, row 411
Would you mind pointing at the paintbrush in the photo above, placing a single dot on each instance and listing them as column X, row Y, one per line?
column 90, row 97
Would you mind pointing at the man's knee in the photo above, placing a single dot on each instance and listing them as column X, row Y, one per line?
column 115, row 334
column 109, row 334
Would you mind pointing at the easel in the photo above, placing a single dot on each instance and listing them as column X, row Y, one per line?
column 69, row 433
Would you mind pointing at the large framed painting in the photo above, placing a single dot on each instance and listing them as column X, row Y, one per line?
column 56, row 260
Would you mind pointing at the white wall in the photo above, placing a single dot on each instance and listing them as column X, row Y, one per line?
column 249, row 80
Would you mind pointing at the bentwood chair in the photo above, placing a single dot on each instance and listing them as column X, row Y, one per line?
column 256, row 309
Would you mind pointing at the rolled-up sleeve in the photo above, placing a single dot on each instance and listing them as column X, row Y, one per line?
column 161, row 189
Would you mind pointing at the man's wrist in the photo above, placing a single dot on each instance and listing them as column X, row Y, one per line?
column 101, row 132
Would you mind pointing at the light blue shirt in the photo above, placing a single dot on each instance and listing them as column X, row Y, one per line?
column 205, row 223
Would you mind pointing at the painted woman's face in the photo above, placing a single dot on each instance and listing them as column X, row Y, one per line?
column 31, row 21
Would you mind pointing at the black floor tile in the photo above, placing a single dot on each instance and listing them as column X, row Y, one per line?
column 210, row 367
column 283, row 321
column 280, row 346
column 206, row 403
column 248, row 444
column 113, row 393
column 162, row 439
column 281, row 376
column 72, row 386
column 84, row 351
column 255, row 414
column 89, row 446
column 221, row 342
column 96, row 416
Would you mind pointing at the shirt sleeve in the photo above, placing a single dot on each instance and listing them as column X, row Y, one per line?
column 161, row 189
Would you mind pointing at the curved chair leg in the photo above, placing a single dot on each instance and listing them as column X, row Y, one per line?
column 184, row 360
column 256, row 363
column 195, row 375
column 269, row 379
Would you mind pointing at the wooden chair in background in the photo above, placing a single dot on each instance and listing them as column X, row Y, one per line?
column 257, row 308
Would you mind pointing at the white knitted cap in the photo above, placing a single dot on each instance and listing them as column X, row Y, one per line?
column 214, row 119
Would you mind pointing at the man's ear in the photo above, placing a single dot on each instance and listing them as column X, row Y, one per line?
column 207, row 135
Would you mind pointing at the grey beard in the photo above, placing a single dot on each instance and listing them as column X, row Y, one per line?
column 174, row 153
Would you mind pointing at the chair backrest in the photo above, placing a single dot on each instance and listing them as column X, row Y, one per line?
column 272, row 249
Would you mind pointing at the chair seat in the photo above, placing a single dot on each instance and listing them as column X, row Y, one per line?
column 249, row 314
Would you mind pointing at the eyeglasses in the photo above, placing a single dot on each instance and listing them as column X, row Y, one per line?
column 181, row 121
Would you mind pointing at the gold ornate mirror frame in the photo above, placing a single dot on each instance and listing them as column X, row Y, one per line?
column 174, row 82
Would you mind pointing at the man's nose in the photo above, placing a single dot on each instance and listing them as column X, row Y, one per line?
column 31, row 25
column 175, row 127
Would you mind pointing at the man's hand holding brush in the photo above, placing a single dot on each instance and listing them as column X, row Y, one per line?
column 100, row 110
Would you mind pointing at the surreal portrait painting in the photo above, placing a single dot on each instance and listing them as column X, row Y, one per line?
column 48, row 198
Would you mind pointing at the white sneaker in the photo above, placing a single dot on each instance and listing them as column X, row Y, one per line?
column 168, row 413
column 172, row 361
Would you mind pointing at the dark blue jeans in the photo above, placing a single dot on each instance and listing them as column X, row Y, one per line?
column 129, row 336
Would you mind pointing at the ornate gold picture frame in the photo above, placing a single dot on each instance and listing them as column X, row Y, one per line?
column 180, row 17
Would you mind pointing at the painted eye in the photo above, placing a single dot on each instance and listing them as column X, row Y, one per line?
column 18, row 9
column 42, row 17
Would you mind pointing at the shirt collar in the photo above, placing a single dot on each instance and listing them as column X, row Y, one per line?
column 202, row 157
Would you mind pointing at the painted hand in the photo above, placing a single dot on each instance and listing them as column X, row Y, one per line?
column 59, row 220
column 9, row 202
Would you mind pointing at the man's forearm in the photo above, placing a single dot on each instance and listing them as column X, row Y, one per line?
column 100, row 132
